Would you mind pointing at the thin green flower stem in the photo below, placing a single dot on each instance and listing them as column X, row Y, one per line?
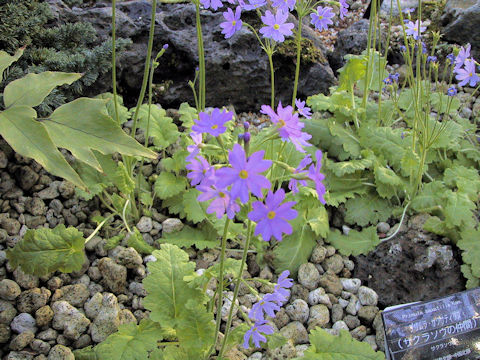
column 272, row 79
column 237, row 287
column 373, row 14
column 124, row 218
column 201, row 58
column 114, row 61
column 97, row 229
column 242, row 314
column 297, row 65
column 220, row 142
column 399, row 225
column 102, row 200
column 252, row 290
column 220, row 282
column 275, row 164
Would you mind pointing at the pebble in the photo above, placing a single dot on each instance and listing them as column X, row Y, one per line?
column 367, row 313
column 318, row 255
column 383, row 227
column 40, row 346
column 367, row 296
column 69, row 319
column 23, row 322
column 9, row 290
column 105, row 313
column 308, row 276
column 47, row 335
column 75, row 295
column 340, row 325
column 49, row 193
column 351, row 321
column 114, row 275
column 22, row 340
column 33, row 299
column 298, row 311
column 295, row 331
column 60, row 352
column 4, row 333
column 351, row 285
column 333, row 264
column 44, row 315
column 171, row 225
column 331, row 283
column 26, row 281
column 359, row 332
column 319, row 316
column 337, row 312
column 7, row 312
column 370, row 339
column 145, row 224
column 128, row 257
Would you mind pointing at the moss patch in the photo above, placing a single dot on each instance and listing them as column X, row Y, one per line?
column 309, row 53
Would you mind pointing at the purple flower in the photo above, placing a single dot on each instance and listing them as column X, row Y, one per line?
column 293, row 183
column 387, row 81
column 394, row 77
column 302, row 109
column 243, row 175
column 467, row 74
column 255, row 333
column 252, row 4
column 462, row 56
column 315, row 175
column 267, row 305
column 276, row 28
column 412, row 28
column 165, row 46
column 221, row 204
column 451, row 57
column 194, row 149
column 408, row 11
column 343, row 8
column 233, row 23
column 289, row 126
column 214, row 4
column 283, row 283
column 212, row 124
column 432, row 59
column 321, row 18
column 403, row 48
column 452, row 91
column 284, row 5
column 200, row 170
column 271, row 217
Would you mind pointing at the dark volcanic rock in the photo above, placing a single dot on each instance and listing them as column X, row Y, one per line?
column 461, row 23
column 237, row 68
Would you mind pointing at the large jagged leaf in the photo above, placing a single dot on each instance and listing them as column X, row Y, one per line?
column 175, row 205
column 321, row 136
column 317, row 218
column 189, row 236
column 161, row 127
column 196, row 330
column 167, row 292
column 194, row 209
column 449, row 134
column 355, row 243
column 175, row 163
column 168, row 185
column 388, row 182
column 187, row 115
column 430, row 196
column 349, row 167
column 32, row 89
column 295, row 249
column 384, row 141
column 115, row 173
column 131, row 341
column 83, row 125
column 367, row 209
column 95, row 181
column 123, row 113
column 467, row 180
column 231, row 267
column 354, row 70
column 320, row 102
column 30, row 139
column 410, row 163
column 325, row 346
column 442, row 102
column 459, row 210
column 86, row 353
column 348, row 139
column 6, row 60
column 471, row 249
column 43, row 251
column 342, row 188
column 136, row 241
column 472, row 281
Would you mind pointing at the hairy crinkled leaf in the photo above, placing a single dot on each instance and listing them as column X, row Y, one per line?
column 188, row 237
column 472, row 281
column 354, row 70
column 196, row 330
column 168, row 185
column 325, row 346
column 471, row 249
column 339, row 189
column 388, row 183
column 275, row 340
column 349, row 167
column 355, row 243
column 193, row 208
column 95, row 181
column 384, row 141
column 83, row 125
column 87, row 353
column 295, row 249
column 429, row 197
column 6, row 60
column 136, row 241
column 442, row 102
column 317, row 218
column 410, row 163
column 43, row 251
column 161, row 127
column 176, row 163
column 467, row 180
column 320, row 102
column 367, row 209
column 321, row 136
column 459, row 210
column 112, row 242
column 32, row 89
column 348, row 139
column 448, row 135
column 175, row 205
column 378, row 73
column 167, row 292
column 123, row 113
column 187, row 115
column 30, row 139
column 131, row 341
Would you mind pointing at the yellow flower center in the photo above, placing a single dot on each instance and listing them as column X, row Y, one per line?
column 271, row 215
column 221, row 194
column 471, row 74
column 281, row 122
column 320, row 17
column 214, row 127
column 276, row 26
column 243, row 174
column 234, row 23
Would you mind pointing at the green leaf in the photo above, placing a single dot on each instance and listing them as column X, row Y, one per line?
column 321, row 102
column 33, row 88
column 43, row 251
column 113, row 242
column 275, row 340
column 175, row 205
column 348, row 139
column 317, row 218
column 194, row 211
column 6, row 60
column 367, row 209
column 115, row 173
column 30, row 138
column 196, row 329
column 442, row 102
column 188, row 236
column 168, row 185
column 377, row 75
column 388, row 183
column 430, row 196
column 325, row 346
column 187, row 115
column 472, row 281
column 131, row 341
column 136, row 241
column 295, row 249
column 94, row 130
column 354, row 70
column 95, row 181
column 349, row 167
column 167, row 292
column 123, row 113
column 231, row 267
column 356, row 242
column 467, row 180
column 459, row 210
column 410, row 163
column 471, row 249
column 176, row 163
column 87, row 353
column 384, row 141
column 161, row 127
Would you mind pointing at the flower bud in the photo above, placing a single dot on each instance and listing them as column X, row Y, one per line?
column 246, row 125
column 165, row 46
column 246, row 137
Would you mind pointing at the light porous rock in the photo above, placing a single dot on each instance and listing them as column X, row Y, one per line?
column 337, row 312
column 128, row 257
column 286, row 351
column 22, row 340
column 4, row 333
column 298, row 310
column 60, row 352
column 308, row 276
column 106, row 316
column 319, row 316
column 115, row 275
column 296, row 332
column 26, row 281
column 40, row 346
column 331, row 283
column 171, row 225
column 7, row 312
column 44, row 315
column 340, row 325
column 69, row 319
column 351, row 285
column 145, row 224
column 9, row 290
column 318, row 254
column 32, row 300
column 333, row 264
column 367, row 296
column 75, row 295
column 23, row 322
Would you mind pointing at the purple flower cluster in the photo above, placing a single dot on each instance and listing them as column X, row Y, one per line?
column 289, row 125
column 268, row 305
column 414, row 27
column 391, row 78
column 465, row 68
